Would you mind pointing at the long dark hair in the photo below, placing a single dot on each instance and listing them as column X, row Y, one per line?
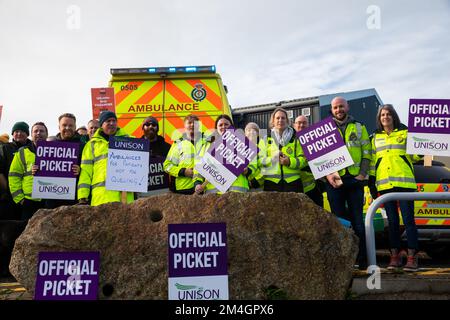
column 223, row 116
column 395, row 117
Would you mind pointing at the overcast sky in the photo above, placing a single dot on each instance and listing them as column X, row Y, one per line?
column 265, row 51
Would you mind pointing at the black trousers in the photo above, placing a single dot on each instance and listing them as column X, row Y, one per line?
column 29, row 207
column 283, row 186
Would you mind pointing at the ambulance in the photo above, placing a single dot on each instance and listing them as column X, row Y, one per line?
column 168, row 94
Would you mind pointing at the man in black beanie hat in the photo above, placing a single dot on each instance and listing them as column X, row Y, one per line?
column 159, row 149
column 94, row 163
column 158, row 146
column 20, row 132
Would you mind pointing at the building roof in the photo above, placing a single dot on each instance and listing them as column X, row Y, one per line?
column 322, row 100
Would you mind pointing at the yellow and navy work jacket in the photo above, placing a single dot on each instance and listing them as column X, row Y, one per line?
column 390, row 164
column 357, row 141
column 239, row 185
column 271, row 167
column 182, row 156
column 20, row 177
column 93, row 172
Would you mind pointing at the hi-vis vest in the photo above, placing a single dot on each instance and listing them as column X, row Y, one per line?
column 273, row 170
column 358, row 144
column 309, row 183
column 239, row 185
column 182, row 154
column 390, row 164
column 20, row 177
column 93, row 172
column 255, row 165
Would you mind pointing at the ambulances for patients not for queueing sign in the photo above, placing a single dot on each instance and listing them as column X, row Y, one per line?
column 226, row 159
column 198, row 261
column 67, row 276
column 429, row 127
column 127, row 168
column 55, row 178
column 324, row 148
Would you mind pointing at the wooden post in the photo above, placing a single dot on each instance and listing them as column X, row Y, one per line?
column 428, row 161
column 124, row 197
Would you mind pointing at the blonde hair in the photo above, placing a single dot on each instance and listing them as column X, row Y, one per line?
column 272, row 117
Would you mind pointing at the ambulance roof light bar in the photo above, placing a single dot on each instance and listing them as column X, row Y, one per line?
column 165, row 70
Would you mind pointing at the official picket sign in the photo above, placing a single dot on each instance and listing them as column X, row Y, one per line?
column 67, row 276
column 157, row 178
column 324, row 148
column 128, row 164
column 429, row 127
column 198, row 261
column 226, row 159
column 55, row 178
column 102, row 100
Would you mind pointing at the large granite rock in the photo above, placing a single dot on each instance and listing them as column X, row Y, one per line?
column 275, row 241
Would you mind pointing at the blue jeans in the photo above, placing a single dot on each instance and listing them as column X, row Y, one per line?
column 347, row 202
column 407, row 210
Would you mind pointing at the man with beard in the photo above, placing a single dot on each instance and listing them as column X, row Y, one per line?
column 67, row 124
column 345, row 189
column 20, row 132
column 158, row 146
column 159, row 149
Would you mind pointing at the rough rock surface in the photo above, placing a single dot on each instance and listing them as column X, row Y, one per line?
column 275, row 240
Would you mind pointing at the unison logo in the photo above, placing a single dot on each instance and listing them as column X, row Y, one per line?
column 191, row 292
column 327, row 164
column 214, row 172
column 52, row 188
column 429, row 144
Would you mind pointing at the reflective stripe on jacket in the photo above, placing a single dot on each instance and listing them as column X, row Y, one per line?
column 93, row 172
column 20, row 177
column 358, row 144
column 390, row 164
column 273, row 170
column 182, row 155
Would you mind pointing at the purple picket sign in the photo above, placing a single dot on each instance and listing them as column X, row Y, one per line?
column 233, row 150
column 429, row 116
column 197, row 249
column 67, row 276
column 320, row 139
column 56, row 158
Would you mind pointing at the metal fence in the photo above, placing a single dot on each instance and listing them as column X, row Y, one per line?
column 394, row 196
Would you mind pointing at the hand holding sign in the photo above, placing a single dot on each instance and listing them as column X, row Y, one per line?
column 335, row 180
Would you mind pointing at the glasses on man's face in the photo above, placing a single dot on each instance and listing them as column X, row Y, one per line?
column 148, row 124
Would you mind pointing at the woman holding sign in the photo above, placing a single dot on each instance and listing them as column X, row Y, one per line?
column 223, row 122
column 283, row 157
column 392, row 171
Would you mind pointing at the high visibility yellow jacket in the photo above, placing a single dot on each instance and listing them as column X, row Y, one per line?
column 181, row 156
column 309, row 183
column 239, row 185
column 358, row 144
column 20, row 177
column 94, row 162
column 271, row 167
column 391, row 165
column 255, row 166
